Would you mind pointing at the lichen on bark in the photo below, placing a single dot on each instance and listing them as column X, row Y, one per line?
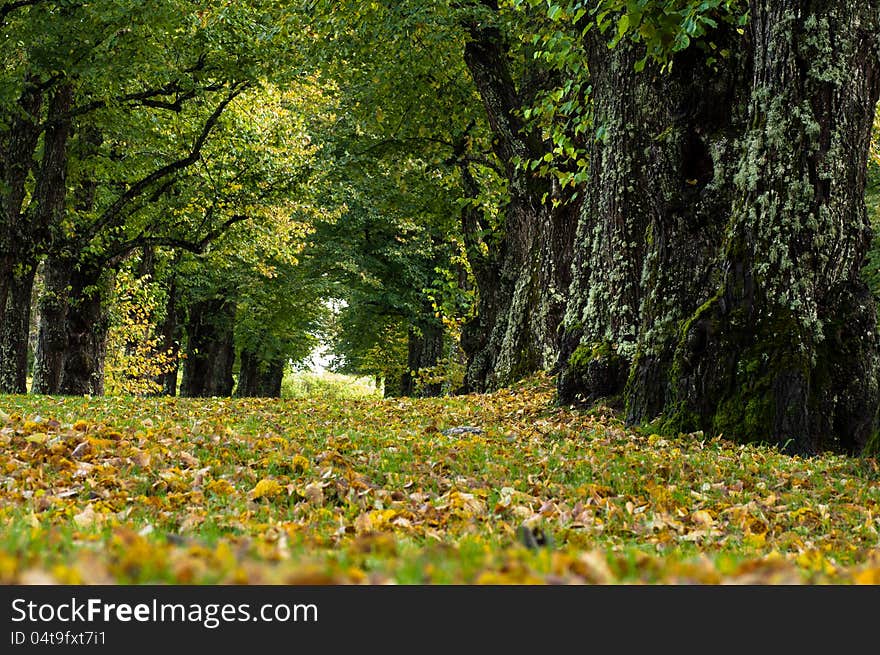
column 752, row 318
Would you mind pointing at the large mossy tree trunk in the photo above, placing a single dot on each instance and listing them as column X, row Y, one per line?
column 601, row 324
column 522, row 281
column 210, row 351
column 700, row 116
column 747, row 241
column 786, row 349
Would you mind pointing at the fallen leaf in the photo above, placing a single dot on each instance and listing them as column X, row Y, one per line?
column 265, row 488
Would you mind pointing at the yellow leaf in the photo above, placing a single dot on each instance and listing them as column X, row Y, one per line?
column 867, row 576
column 756, row 540
column 265, row 489
column 703, row 517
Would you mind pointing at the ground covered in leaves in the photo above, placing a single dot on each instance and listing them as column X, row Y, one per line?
column 305, row 491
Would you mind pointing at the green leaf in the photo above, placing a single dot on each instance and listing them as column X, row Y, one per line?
column 622, row 25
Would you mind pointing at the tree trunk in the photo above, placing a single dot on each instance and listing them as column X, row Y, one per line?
column 15, row 333
column 701, row 113
column 52, row 333
column 17, row 147
column 424, row 350
column 749, row 229
column 602, row 320
column 72, row 341
column 786, row 349
column 25, row 232
column 522, row 282
column 86, row 326
column 210, row 353
column 258, row 379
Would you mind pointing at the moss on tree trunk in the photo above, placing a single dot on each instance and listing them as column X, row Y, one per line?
column 786, row 351
column 522, row 283
column 752, row 318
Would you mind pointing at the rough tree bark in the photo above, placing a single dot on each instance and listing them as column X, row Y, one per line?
column 691, row 185
column 602, row 320
column 25, row 231
column 786, row 349
column 521, row 301
column 14, row 335
column 71, row 345
column 17, row 146
column 424, row 350
column 52, row 333
column 752, row 320
column 210, row 351
column 86, row 324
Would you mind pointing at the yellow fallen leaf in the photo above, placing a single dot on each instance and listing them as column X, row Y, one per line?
column 373, row 521
column 703, row 518
column 756, row 540
column 867, row 576
column 265, row 489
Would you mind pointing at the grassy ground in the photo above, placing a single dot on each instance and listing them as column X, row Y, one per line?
column 313, row 490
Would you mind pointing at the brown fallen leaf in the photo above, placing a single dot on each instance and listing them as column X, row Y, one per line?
column 83, row 449
column 141, row 458
column 593, row 567
column 86, row 518
column 314, row 494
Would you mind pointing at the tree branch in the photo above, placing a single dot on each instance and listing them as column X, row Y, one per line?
column 158, row 175
column 148, row 98
column 197, row 247
column 9, row 7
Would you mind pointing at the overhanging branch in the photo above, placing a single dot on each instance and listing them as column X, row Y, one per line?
column 196, row 247
column 9, row 7
column 144, row 184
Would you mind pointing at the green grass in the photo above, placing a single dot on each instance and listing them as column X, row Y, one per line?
column 325, row 384
column 337, row 490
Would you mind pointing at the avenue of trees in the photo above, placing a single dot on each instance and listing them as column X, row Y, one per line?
column 666, row 203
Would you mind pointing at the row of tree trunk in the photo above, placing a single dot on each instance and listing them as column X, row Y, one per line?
column 715, row 277
column 710, row 279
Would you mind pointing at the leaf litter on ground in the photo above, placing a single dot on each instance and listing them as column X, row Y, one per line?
column 316, row 491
